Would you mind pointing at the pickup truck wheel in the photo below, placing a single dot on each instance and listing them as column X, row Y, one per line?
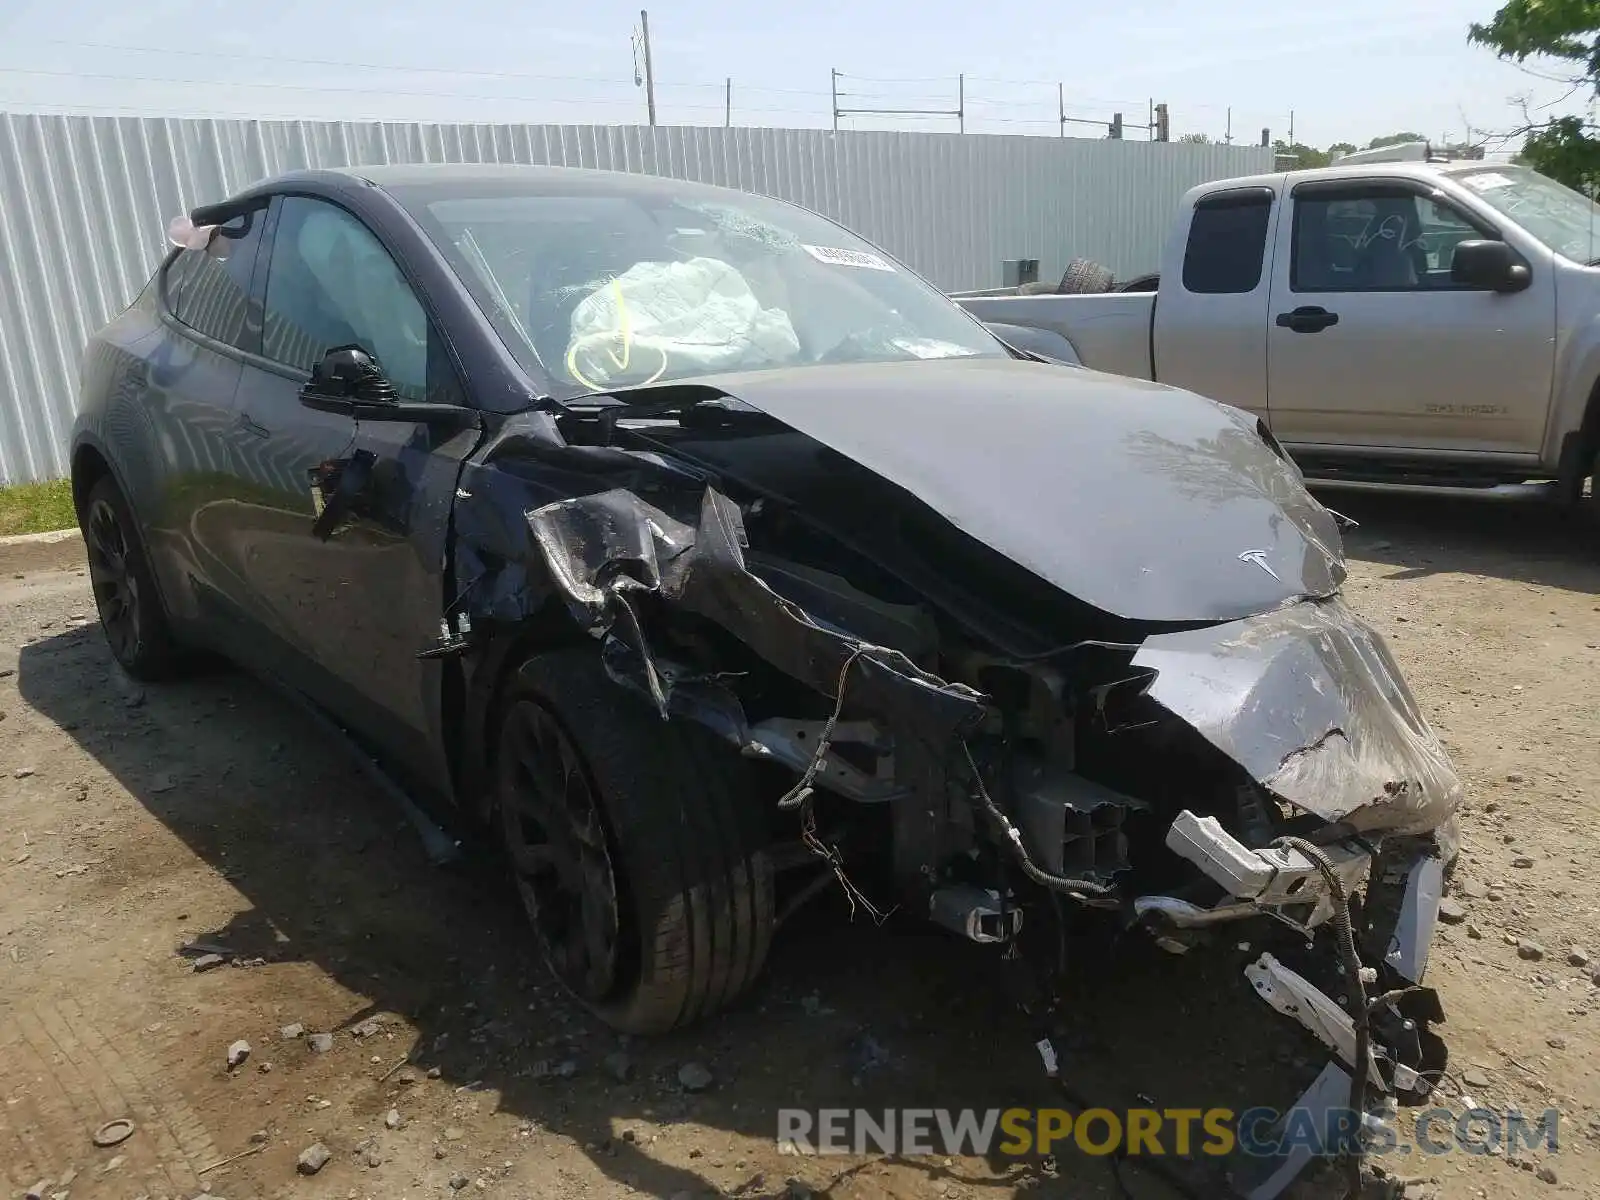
column 1084, row 277
column 638, row 847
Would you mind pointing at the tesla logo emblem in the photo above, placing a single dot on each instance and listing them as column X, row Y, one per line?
column 1259, row 557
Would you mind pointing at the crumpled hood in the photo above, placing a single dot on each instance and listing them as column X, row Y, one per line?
column 1144, row 501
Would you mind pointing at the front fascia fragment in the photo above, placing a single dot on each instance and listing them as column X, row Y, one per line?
column 1309, row 701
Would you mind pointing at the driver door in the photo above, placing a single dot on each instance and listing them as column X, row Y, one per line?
column 1371, row 344
column 342, row 617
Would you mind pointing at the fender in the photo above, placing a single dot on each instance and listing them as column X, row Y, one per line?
column 1572, row 436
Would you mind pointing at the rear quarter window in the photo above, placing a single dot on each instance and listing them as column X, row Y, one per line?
column 1227, row 242
column 209, row 290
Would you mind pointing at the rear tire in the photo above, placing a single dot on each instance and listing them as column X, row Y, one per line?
column 131, row 613
column 1084, row 277
column 638, row 846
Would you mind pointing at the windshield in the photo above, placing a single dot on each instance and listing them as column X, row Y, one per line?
column 1565, row 220
column 595, row 291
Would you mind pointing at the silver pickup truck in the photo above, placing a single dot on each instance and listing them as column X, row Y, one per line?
column 1415, row 324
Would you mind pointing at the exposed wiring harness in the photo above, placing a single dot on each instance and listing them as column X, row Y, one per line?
column 1360, row 1007
column 801, row 794
column 1012, row 836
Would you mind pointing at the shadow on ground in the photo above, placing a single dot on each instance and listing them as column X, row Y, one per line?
column 1421, row 536
column 849, row 1015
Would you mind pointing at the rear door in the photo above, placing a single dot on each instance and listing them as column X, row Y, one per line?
column 1372, row 345
column 344, row 617
column 184, row 419
column 1209, row 332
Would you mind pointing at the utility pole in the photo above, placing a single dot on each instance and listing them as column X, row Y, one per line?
column 1061, row 108
column 835, row 73
column 649, row 74
column 1227, row 138
column 727, row 105
column 1291, row 127
column 961, row 103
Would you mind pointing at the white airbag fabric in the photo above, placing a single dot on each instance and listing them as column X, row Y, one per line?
column 698, row 315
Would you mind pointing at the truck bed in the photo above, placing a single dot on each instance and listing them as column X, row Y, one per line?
column 1110, row 331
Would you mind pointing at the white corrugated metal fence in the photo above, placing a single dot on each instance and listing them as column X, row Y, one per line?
column 85, row 201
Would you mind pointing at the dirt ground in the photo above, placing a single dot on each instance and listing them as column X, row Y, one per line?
column 133, row 821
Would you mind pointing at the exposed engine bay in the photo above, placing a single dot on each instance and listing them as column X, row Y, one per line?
column 1134, row 690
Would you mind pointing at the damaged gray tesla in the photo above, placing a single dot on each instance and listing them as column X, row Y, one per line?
column 714, row 559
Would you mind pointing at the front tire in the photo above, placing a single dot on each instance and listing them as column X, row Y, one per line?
column 638, row 846
column 130, row 608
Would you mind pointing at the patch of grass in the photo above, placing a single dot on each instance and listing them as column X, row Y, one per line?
column 36, row 507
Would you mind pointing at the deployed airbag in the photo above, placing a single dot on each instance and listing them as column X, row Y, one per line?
column 695, row 316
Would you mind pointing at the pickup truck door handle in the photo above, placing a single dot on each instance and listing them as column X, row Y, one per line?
column 1309, row 319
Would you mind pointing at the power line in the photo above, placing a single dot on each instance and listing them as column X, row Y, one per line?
column 177, row 111
column 880, row 99
column 372, row 66
column 901, row 78
column 327, row 62
column 311, row 87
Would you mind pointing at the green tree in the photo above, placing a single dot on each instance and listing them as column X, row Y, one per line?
column 1341, row 148
column 1569, row 32
column 1304, row 156
column 1394, row 139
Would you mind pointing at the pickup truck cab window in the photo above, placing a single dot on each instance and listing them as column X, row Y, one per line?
column 1227, row 241
column 1375, row 239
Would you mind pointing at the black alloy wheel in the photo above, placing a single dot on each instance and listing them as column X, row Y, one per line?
column 556, row 839
column 116, row 585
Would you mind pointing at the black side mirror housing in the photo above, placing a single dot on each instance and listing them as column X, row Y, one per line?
column 349, row 381
column 1482, row 263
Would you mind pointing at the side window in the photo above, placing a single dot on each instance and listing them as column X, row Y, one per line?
column 1380, row 240
column 1442, row 229
column 331, row 283
column 1227, row 242
column 209, row 290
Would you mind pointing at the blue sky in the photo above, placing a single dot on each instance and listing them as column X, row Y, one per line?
column 1348, row 71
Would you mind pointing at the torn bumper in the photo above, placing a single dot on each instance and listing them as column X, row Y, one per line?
column 1402, row 885
column 1280, row 883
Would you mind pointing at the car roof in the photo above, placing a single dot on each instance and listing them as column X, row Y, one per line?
column 503, row 178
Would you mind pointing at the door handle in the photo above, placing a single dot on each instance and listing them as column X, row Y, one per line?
column 1309, row 319
column 250, row 425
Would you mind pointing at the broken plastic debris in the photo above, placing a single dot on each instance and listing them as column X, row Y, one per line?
column 1047, row 1052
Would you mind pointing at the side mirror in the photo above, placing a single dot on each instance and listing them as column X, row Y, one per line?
column 1480, row 263
column 349, row 381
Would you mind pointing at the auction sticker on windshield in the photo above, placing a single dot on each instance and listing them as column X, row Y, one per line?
column 840, row 257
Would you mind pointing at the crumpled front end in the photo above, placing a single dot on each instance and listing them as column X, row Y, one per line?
column 1310, row 703
column 1004, row 745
